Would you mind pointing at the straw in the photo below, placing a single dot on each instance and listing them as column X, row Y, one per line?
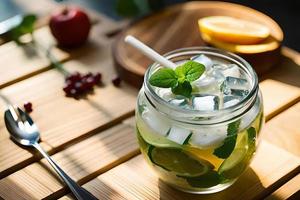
column 150, row 53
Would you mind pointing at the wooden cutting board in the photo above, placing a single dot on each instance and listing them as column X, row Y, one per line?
column 176, row 27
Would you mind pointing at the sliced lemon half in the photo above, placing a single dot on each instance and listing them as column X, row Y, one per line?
column 233, row 30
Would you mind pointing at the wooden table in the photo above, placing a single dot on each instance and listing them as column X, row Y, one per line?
column 93, row 139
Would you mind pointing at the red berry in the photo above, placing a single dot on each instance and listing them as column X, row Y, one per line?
column 116, row 81
column 76, row 76
column 77, row 83
column 67, row 88
column 79, row 87
column 73, row 93
column 89, row 83
column 28, row 107
column 88, row 75
column 98, row 78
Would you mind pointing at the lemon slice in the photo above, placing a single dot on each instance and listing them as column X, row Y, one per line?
column 233, row 30
column 204, row 154
column 269, row 44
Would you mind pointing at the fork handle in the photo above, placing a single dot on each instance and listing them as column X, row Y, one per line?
column 79, row 192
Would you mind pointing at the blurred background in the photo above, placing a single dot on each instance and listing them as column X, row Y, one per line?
column 286, row 12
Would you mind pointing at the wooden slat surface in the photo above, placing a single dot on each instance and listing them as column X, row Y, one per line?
column 85, row 155
column 278, row 96
column 289, row 190
column 135, row 180
column 76, row 124
column 81, row 161
column 87, row 139
column 284, row 130
column 19, row 62
column 62, row 119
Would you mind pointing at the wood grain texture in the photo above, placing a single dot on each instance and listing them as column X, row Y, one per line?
column 278, row 96
column 56, row 132
column 82, row 169
column 289, row 190
column 20, row 62
column 135, row 180
column 176, row 27
column 283, row 130
column 62, row 119
column 81, row 161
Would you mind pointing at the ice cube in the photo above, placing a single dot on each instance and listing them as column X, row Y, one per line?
column 206, row 61
column 156, row 122
column 205, row 138
column 230, row 101
column 209, row 82
column 180, row 101
column 207, row 85
column 178, row 134
column 235, row 86
column 217, row 74
column 220, row 66
column 232, row 70
column 205, row 102
column 240, row 93
column 165, row 93
column 236, row 83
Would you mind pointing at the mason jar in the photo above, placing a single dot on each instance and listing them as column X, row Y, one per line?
column 199, row 151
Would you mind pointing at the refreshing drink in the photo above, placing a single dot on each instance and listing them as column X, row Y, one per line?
column 200, row 136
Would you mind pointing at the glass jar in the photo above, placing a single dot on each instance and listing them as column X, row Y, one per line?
column 199, row 151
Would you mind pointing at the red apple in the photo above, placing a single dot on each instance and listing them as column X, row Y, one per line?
column 70, row 27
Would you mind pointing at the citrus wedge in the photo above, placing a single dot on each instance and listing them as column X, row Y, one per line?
column 233, row 30
column 268, row 44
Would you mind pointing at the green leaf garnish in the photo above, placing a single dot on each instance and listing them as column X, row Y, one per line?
column 189, row 71
column 26, row 26
column 184, row 89
column 164, row 78
column 226, row 149
column 179, row 80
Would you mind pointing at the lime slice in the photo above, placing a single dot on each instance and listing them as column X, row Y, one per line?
column 239, row 159
column 210, row 179
column 234, row 165
column 143, row 144
column 153, row 138
column 179, row 161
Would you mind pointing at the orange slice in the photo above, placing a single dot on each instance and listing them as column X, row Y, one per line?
column 233, row 30
column 269, row 44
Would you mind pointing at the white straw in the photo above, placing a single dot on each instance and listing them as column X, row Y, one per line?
column 147, row 51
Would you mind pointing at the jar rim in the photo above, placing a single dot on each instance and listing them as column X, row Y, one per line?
column 171, row 109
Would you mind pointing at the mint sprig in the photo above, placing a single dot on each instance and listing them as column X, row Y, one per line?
column 25, row 26
column 226, row 149
column 164, row 78
column 179, row 80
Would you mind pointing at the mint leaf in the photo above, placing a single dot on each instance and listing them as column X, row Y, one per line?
column 180, row 79
column 26, row 26
column 164, row 78
column 184, row 89
column 226, row 149
column 189, row 71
